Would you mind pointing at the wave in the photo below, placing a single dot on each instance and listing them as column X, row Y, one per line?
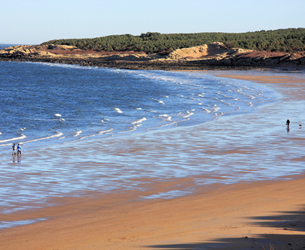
column 206, row 110
column 118, row 110
column 165, row 117
column 139, row 121
column 62, row 65
column 13, row 139
column 99, row 133
column 58, row 134
column 161, row 102
column 105, row 131
column 188, row 114
column 77, row 133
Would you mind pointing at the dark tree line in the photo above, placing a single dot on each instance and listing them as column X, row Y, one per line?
column 285, row 40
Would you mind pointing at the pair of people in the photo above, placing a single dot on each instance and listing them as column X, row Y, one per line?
column 16, row 149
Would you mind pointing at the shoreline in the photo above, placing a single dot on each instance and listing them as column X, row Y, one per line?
column 222, row 216
column 143, row 65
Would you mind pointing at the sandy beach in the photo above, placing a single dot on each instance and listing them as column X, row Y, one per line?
column 256, row 214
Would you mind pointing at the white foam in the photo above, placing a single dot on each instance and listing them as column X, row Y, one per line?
column 138, row 108
column 188, row 114
column 161, row 102
column 14, row 139
column 105, row 119
column 77, row 133
column 105, row 131
column 58, row 134
column 60, row 65
column 57, row 115
column 118, row 110
column 100, row 133
column 139, row 121
column 226, row 103
column 165, row 117
column 206, row 110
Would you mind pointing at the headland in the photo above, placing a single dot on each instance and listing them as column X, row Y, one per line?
column 214, row 56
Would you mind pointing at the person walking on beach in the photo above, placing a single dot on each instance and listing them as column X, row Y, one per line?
column 14, row 149
column 287, row 123
column 19, row 149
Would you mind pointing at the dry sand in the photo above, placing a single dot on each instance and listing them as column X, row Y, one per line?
column 257, row 215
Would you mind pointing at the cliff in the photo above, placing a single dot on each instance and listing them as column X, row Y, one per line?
column 206, row 56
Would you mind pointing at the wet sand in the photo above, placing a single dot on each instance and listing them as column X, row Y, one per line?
column 255, row 214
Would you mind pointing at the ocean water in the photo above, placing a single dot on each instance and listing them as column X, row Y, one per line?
column 46, row 104
column 88, row 129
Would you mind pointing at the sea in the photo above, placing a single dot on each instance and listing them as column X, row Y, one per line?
column 45, row 104
column 90, row 129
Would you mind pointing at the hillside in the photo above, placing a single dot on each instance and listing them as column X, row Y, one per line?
column 206, row 56
column 282, row 40
column 261, row 49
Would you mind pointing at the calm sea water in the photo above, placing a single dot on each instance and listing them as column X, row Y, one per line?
column 46, row 104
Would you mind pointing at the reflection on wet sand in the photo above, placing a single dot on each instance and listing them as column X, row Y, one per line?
column 16, row 158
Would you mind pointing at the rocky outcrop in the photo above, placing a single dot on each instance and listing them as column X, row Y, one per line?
column 215, row 55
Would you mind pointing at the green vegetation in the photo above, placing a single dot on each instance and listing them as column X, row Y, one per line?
column 286, row 40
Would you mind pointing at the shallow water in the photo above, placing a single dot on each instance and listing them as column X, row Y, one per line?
column 253, row 145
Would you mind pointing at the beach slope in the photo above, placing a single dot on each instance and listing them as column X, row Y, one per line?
column 250, row 215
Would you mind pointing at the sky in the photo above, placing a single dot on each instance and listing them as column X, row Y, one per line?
column 37, row 21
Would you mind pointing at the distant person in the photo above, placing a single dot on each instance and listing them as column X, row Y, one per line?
column 14, row 148
column 19, row 149
column 287, row 122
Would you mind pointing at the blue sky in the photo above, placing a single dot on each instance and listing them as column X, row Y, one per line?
column 37, row 21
